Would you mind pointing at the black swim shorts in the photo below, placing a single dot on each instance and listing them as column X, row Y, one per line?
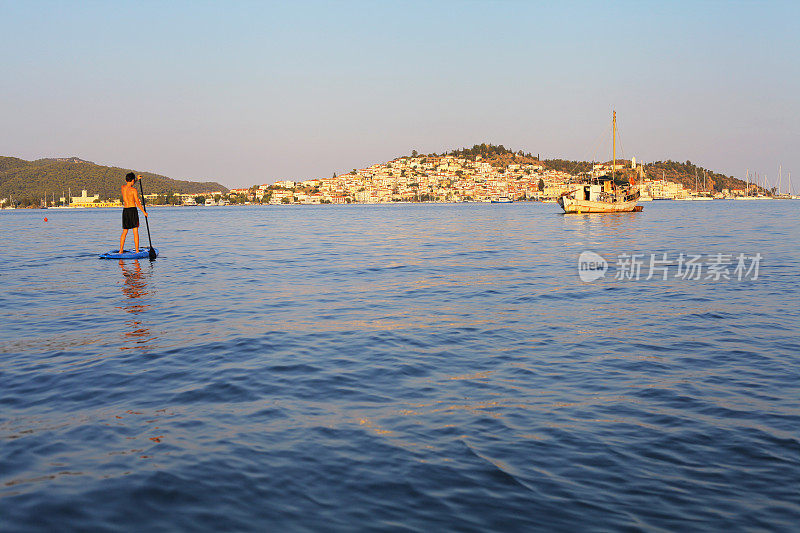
column 130, row 218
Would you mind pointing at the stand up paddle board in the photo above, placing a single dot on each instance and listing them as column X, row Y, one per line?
column 143, row 253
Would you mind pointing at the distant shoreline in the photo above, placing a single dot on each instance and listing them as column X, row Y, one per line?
column 470, row 202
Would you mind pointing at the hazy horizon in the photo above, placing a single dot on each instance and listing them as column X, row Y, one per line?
column 248, row 93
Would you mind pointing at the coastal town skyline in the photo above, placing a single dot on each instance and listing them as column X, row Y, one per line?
column 249, row 94
column 481, row 174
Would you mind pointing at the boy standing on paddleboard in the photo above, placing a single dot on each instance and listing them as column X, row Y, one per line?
column 130, row 216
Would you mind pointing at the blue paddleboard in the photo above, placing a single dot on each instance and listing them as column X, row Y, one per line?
column 143, row 253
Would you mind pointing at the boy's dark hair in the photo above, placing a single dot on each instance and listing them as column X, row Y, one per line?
column 130, row 176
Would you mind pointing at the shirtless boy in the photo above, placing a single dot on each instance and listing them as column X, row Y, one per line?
column 130, row 216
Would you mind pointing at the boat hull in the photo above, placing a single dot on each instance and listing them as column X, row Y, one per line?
column 571, row 205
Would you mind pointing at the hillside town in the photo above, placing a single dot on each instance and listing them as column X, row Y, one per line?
column 457, row 179
column 433, row 178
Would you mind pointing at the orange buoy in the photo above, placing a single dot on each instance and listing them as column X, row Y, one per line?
column 45, row 219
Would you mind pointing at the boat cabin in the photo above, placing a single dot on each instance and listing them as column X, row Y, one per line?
column 598, row 189
column 601, row 189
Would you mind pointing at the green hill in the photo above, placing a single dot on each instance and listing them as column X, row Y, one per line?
column 685, row 173
column 22, row 179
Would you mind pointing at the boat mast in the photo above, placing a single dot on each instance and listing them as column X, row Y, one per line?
column 613, row 144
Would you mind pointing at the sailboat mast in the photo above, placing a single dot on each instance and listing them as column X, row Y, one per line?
column 613, row 144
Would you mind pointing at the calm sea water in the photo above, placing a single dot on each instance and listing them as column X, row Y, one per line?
column 398, row 367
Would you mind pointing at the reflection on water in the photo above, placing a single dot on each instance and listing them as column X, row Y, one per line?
column 617, row 225
column 134, row 287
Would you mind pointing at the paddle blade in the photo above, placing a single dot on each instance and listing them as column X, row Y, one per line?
column 152, row 253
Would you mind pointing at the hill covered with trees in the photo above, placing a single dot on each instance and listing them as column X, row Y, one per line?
column 21, row 179
column 685, row 173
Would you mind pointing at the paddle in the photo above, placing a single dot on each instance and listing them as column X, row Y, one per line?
column 152, row 251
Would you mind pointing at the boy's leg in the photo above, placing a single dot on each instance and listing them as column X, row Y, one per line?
column 122, row 240
column 136, row 239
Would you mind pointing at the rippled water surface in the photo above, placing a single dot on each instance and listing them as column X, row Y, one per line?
column 398, row 367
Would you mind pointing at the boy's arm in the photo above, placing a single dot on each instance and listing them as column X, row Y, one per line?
column 138, row 203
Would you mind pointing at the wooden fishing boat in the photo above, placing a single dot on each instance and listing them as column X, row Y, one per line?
column 602, row 194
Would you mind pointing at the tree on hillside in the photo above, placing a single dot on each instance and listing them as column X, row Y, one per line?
column 570, row 167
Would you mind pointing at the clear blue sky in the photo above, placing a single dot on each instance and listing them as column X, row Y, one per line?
column 251, row 92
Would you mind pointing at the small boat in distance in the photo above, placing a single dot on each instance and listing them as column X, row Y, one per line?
column 502, row 200
column 603, row 194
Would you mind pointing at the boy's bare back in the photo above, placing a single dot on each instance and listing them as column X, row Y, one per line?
column 130, row 197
